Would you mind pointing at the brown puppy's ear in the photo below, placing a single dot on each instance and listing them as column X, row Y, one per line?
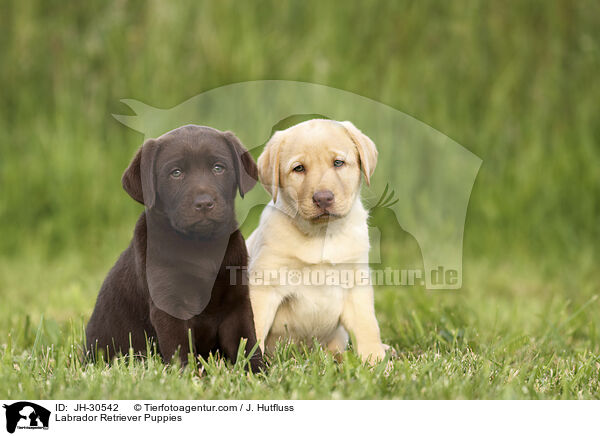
column 268, row 164
column 245, row 168
column 366, row 149
column 138, row 178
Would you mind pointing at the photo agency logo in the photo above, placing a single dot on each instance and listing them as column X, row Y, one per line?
column 416, row 192
column 25, row 415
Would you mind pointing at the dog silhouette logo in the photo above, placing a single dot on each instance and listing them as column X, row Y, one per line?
column 430, row 174
column 26, row 415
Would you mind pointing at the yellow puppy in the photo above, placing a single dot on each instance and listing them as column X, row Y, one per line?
column 315, row 225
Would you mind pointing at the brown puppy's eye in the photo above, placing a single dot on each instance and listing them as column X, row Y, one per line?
column 338, row 163
column 299, row 168
column 218, row 169
column 176, row 173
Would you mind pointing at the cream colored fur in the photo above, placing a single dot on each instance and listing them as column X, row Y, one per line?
column 291, row 236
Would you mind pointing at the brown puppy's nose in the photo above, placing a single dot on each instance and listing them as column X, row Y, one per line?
column 323, row 199
column 204, row 202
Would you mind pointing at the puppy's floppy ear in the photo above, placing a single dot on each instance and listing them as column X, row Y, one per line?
column 268, row 164
column 245, row 168
column 138, row 178
column 366, row 149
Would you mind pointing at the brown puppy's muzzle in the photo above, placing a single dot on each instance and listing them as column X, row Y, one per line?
column 201, row 212
column 204, row 203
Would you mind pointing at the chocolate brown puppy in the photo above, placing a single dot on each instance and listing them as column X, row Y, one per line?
column 181, row 273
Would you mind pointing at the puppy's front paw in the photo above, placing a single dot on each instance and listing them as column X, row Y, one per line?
column 372, row 354
column 390, row 350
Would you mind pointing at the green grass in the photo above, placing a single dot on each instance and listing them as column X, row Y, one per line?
column 465, row 344
column 516, row 84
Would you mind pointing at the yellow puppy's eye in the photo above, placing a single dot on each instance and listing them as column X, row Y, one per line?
column 299, row 168
column 338, row 163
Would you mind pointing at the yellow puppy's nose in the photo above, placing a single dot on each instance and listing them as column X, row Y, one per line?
column 323, row 199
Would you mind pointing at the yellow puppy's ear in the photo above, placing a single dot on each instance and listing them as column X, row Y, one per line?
column 366, row 149
column 268, row 165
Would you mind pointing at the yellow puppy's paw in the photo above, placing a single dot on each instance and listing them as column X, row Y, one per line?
column 390, row 350
column 372, row 354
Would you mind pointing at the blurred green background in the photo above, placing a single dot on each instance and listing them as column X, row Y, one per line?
column 514, row 82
